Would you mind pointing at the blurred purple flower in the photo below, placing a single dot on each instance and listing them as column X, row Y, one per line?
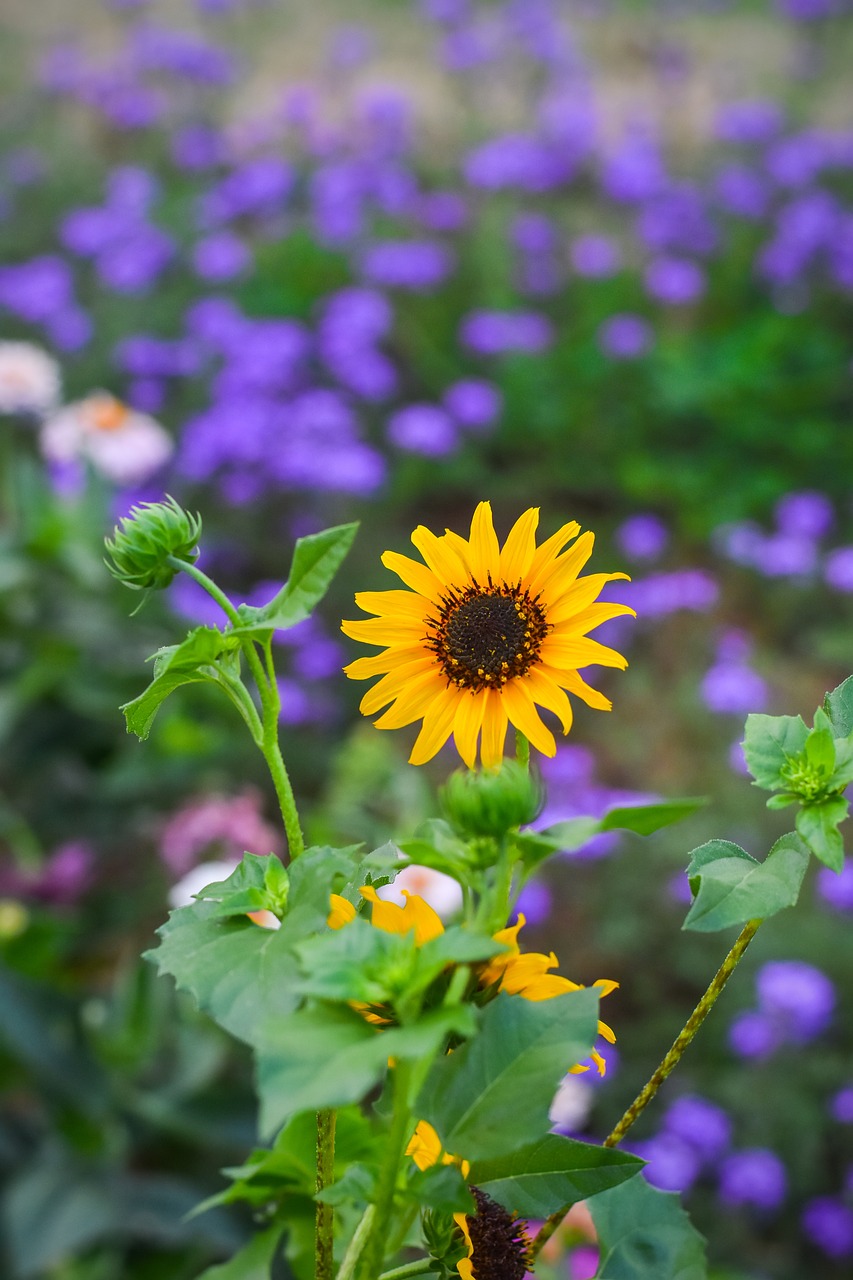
column 642, row 537
column 533, row 233
column 256, row 188
column 197, row 147
column 535, row 902
column 828, row 1223
column 836, row 887
column 634, row 172
column 742, row 191
column 838, row 569
column 754, row 1035
column 221, row 256
column 677, row 220
column 799, row 997
column 704, row 1126
column 423, row 428
column 517, row 160
column 418, row 265
column 473, row 403
column 595, row 256
column 808, row 10
column 841, row 1106
column 442, row 210
column 756, row 120
column 145, row 356
column 625, row 336
column 674, row 281
column 135, row 264
column 62, row 879
column 807, row 513
column 182, row 54
column 664, row 593
column 147, row 394
column 70, row 329
column 796, row 160
column 217, row 322
column 753, row 1177
column 572, row 792
column 336, row 196
column 492, row 333
column 38, row 289
column 785, row 555
column 350, row 45
column 733, row 688
column 673, row 1165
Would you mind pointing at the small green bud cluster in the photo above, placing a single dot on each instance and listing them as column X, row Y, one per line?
column 143, row 542
column 491, row 802
column 444, row 1242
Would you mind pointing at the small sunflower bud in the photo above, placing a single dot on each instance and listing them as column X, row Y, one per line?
column 140, row 549
column 491, row 802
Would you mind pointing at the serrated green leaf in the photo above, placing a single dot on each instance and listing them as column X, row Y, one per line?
column 233, row 968
column 644, row 1234
column 770, row 742
column 551, row 1174
column 838, row 705
column 352, row 963
column 316, row 560
column 734, row 888
column 248, row 887
column 493, row 1093
column 818, row 826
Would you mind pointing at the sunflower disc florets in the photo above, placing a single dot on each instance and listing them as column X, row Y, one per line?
column 140, row 550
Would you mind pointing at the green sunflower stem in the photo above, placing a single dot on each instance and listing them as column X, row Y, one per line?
column 682, row 1040
column 423, row 1267
column 324, row 1221
column 398, row 1135
column 356, row 1244
column 216, row 593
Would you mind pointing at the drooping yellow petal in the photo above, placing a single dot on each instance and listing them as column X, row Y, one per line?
column 547, row 693
column 342, row 911
column 494, row 729
column 417, row 576
column 577, row 685
column 411, row 678
column 416, row 915
column 522, row 712
column 581, row 652
column 466, row 726
column 593, row 616
column 437, row 726
column 411, row 705
column 556, row 576
column 580, row 593
column 520, row 547
column 424, row 1146
column 464, row 1266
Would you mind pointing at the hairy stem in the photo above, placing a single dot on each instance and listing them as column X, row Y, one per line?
column 398, row 1135
column 324, row 1220
column 682, row 1040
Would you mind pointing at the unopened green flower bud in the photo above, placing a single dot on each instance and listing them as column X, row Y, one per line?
column 142, row 544
column 491, row 802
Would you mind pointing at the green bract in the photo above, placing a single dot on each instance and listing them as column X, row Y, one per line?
column 143, row 542
column 491, row 802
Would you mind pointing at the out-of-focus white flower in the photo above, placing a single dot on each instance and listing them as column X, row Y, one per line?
column 29, row 379
column 443, row 893
column 572, row 1104
column 126, row 446
column 183, row 893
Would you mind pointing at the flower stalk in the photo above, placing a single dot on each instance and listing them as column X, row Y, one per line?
column 324, row 1225
column 679, row 1045
column 398, row 1135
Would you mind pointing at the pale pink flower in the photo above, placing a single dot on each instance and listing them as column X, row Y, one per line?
column 215, row 824
column 443, row 893
column 121, row 443
column 29, row 379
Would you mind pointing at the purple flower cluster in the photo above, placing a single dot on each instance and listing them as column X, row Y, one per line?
column 792, row 549
column 41, row 293
column 731, row 686
column 129, row 252
column 795, row 1004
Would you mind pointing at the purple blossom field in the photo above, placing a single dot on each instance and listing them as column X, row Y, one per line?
column 298, row 266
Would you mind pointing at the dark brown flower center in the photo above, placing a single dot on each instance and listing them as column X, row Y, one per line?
column 484, row 636
column 500, row 1247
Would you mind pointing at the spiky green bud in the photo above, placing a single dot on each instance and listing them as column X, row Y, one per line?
column 142, row 543
column 491, row 802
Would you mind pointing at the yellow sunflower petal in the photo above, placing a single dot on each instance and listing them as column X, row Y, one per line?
column 379, row 664
column 580, row 652
column 548, row 694
column 417, row 576
column 412, row 677
column 580, row 593
column 494, row 730
column 607, row 1033
column 520, row 547
column 381, row 631
column 578, row 686
column 556, row 576
column 342, row 911
column 391, row 604
column 437, row 726
column 467, row 724
column 424, row 1146
column 439, row 556
column 593, row 616
column 462, row 547
column 412, row 704
column 551, row 548
column 485, row 552
column 521, row 711
column 426, row 921
column 607, row 986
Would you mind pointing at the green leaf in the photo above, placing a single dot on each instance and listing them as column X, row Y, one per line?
column 820, row 745
column 254, row 1260
column 566, row 837
column 316, row 1058
column 174, row 666
column 493, row 1093
column 356, row 1185
column 551, row 1174
column 645, row 819
column 357, row 962
column 437, row 845
column 838, row 705
column 818, row 826
column 233, row 968
column 644, row 1234
column 730, row 887
column 316, row 560
column 770, row 742
column 260, row 882
column 441, row 1187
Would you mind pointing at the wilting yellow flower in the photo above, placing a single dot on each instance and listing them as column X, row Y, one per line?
column 484, row 636
column 495, row 1241
column 526, row 974
column 416, row 915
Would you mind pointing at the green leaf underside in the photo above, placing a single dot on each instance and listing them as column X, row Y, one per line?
column 551, row 1174
column 838, row 705
column 644, row 1234
column 316, row 560
column 493, row 1093
column 174, row 666
column 730, row 887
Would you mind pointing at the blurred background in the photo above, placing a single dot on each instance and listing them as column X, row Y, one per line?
column 380, row 259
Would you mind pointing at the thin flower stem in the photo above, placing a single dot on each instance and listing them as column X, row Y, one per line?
column 422, row 1267
column 398, row 1134
column 216, row 593
column 356, row 1244
column 324, row 1220
column 682, row 1040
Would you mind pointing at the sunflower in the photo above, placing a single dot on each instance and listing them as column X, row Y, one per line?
column 484, row 636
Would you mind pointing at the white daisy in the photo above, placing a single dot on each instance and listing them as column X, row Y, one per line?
column 29, row 379
column 124, row 445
